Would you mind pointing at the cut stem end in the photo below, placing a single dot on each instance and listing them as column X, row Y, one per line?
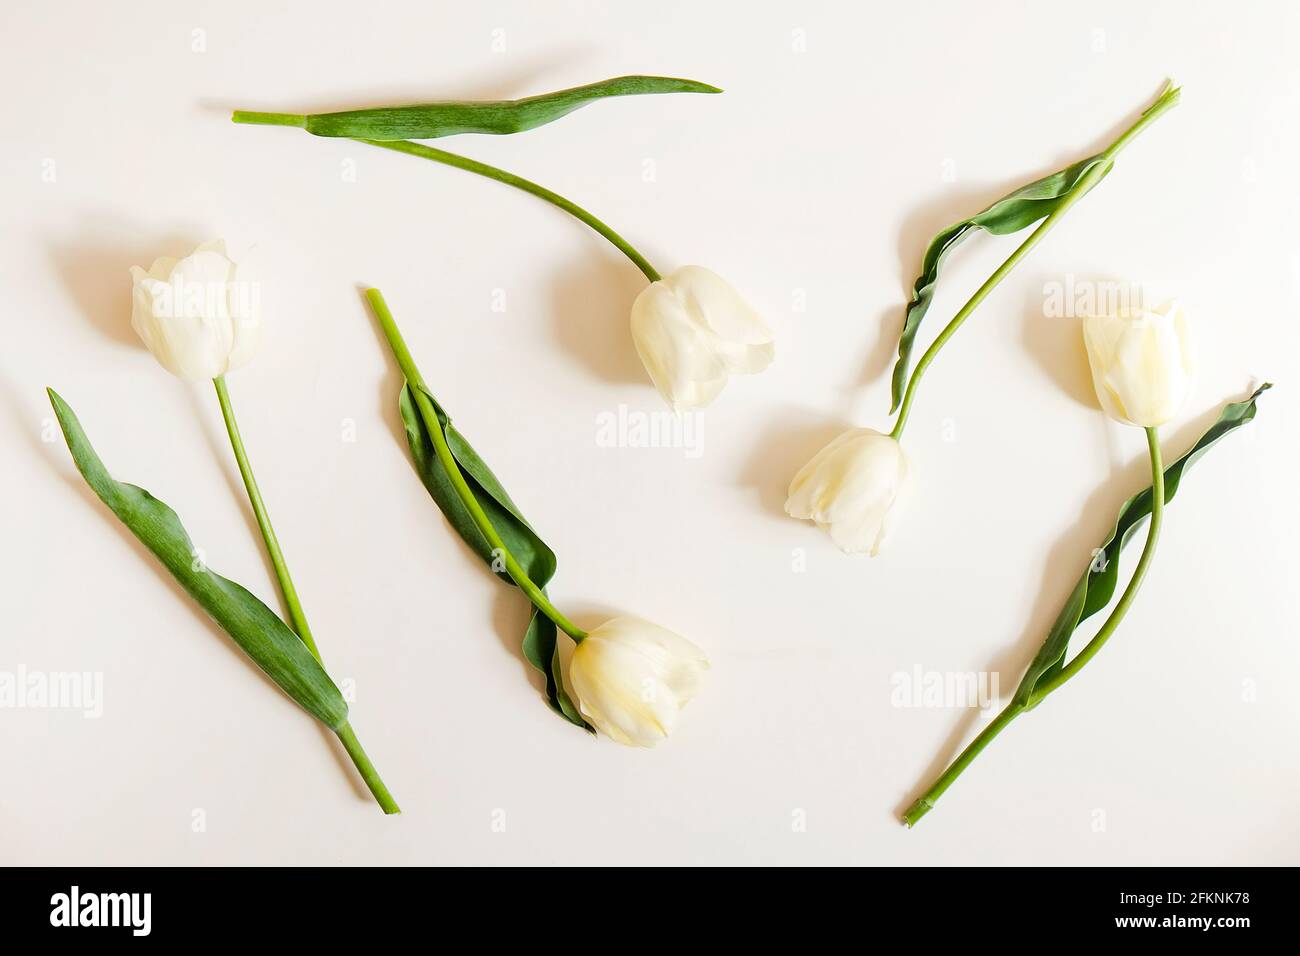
column 916, row 811
column 369, row 774
column 269, row 119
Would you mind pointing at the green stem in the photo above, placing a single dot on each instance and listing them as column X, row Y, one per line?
column 528, row 186
column 270, row 119
column 296, row 615
column 1167, row 100
column 430, row 415
column 480, row 169
column 367, row 770
column 1135, row 582
column 925, row 803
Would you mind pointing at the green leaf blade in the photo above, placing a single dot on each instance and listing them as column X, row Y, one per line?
column 253, row 626
column 540, row 642
column 1098, row 584
column 496, row 117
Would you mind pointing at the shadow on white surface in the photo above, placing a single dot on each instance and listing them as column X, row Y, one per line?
column 1056, row 346
column 95, row 269
column 591, row 312
column 882, row 353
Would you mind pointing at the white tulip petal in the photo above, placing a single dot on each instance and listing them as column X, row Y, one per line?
column 162, row 267
column 676, row 352
column 632, row 679
column 246, row 318
column 1141, row 364
column 692, row 331
column 853, row 488
column 807, row 481
column 741, row 338
column 191, row 314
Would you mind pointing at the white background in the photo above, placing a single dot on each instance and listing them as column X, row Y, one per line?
column 846, row 137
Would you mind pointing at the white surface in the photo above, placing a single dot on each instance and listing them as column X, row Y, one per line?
column 846, row 137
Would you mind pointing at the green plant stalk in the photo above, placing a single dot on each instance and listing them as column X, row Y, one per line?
column 481, row 169
column 375, row 783
column 430, row 415
column 925, row 803
column 296, row 615
column 1081, row 188
column 269, row 119
column 518, row 182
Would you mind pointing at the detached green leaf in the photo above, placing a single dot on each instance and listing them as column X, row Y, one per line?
column 275, row 648
column 1097, row 586
column 540, row 642
column 1013, row 212
column 452, row 117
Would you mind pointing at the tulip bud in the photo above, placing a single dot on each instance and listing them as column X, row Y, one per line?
column 632, row 678
column 692, row 330
column 1141, row 364
column 853, row 488
column 196, row 317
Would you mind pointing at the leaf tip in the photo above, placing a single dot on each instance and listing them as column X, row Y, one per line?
column 674, row 84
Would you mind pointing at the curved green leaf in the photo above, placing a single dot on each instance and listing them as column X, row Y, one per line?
column 540, row 642
column 274, row 648
column 452, row 117
column 1097, row 586
column 1013, row 212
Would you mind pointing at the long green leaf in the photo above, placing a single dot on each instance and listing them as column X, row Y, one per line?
column 452, row 117
column 1013, row 212
column 540, row 642
column 1097, row 586
column 251, row 624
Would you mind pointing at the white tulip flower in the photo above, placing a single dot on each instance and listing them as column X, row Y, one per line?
column 693, row 331
column 196, row 315
column 632, row 678
column 854, row 488
column 1141, row 364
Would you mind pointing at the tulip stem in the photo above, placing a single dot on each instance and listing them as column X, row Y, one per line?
column 925, row 803
column 269, row 119
column 1135, row 582
column 481, row 169
column 375, row 783
column 1166, row 101
column 1086, row 182
column 431, row 421
column 296, row 615
column 528, row 186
